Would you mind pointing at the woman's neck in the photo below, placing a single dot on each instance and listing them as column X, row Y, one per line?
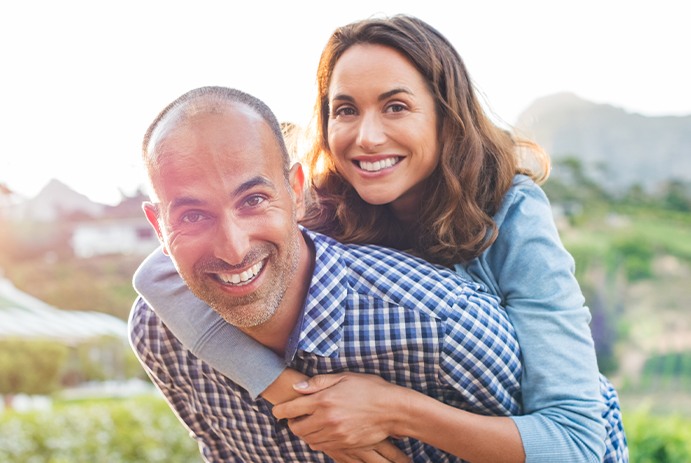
column 406, row 208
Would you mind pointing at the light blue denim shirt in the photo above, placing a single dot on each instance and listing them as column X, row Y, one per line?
column 529, row 269
column 532, row 273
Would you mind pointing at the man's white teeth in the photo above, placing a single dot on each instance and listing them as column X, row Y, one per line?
column 241, row 278
column 377, row 165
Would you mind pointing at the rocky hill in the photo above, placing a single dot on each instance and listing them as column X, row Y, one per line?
column 616, row 147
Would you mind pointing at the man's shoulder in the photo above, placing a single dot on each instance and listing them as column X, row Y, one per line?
column 395, row 275
column 379, row 259
column 144, row 326
column 140, row 314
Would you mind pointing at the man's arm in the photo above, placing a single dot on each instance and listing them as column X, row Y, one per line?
column 145, row 339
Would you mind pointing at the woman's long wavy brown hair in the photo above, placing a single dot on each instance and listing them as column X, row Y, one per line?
column 478, row 160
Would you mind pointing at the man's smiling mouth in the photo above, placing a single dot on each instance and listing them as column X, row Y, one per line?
column 241, row 278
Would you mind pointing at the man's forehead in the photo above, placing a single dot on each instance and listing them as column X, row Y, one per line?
column 197, row 109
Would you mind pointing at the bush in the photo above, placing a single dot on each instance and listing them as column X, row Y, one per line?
column 658, row 439
column 635, row 256
column 105, row 358
column 31, row 366
column 668, row 371
column 141, row 429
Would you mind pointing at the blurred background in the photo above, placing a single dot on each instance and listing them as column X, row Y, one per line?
column 600, row 85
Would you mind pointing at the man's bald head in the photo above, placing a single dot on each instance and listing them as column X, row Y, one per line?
column 206, row 100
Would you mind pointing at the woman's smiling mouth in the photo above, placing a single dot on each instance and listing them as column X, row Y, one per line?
column 381, row 164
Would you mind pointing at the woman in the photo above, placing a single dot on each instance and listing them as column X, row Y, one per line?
column 404, row 156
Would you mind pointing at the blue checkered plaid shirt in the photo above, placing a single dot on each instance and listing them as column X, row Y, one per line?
column 369, row 310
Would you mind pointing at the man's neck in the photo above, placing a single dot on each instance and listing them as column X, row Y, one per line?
column 276, row 332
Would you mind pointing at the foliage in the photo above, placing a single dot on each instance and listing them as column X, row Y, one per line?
column 616, row 243
column 569, row 183
column 668, row 371
column 667, row 231
column 658, row 439
column 142, row 429
column 31, row 366
column 676, row 195
column 44, row 366
column 633, row 255
column 102, row 284
column 104, row 358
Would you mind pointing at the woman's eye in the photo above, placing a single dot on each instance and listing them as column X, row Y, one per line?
column 396, row 108
column 344, row 111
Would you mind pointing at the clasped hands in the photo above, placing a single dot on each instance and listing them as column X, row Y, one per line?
column 348, row 416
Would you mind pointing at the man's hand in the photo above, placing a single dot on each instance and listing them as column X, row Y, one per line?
column 384, row 452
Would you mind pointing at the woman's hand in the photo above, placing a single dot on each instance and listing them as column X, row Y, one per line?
column 342, row 411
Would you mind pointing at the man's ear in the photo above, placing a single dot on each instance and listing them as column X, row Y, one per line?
column 151, row 212
column 297, row 184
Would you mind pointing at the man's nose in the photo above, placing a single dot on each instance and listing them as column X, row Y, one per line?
column 370, row 131
column 232, row 242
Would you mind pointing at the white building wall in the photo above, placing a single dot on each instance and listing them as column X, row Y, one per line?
column 115, row 237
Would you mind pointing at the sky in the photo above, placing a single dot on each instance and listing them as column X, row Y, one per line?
column 80, row 81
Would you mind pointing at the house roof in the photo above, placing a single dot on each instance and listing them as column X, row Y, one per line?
column 24, row 316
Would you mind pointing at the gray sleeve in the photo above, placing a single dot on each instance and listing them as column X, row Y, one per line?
column 202, row 330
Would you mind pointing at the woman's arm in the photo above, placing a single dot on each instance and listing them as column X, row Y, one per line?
column 352, row 409
column 533, row 274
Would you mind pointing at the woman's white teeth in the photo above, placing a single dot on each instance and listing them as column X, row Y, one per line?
column 377, row 165
column 244, row 277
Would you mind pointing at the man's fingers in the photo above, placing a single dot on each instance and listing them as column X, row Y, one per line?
column 383, row 452
column 390, row 453
column 360, row 456
column 293, row 409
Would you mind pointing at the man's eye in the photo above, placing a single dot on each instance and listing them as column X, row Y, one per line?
column 192, row 217
column 254, row 200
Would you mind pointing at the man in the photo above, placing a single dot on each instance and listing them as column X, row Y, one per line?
column 225, row 205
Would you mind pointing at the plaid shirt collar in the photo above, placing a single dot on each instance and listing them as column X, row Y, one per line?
column 320, row 328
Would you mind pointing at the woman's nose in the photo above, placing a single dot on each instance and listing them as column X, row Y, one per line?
column 370, row 132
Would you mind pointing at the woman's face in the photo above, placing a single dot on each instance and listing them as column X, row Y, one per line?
column 382, row 128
